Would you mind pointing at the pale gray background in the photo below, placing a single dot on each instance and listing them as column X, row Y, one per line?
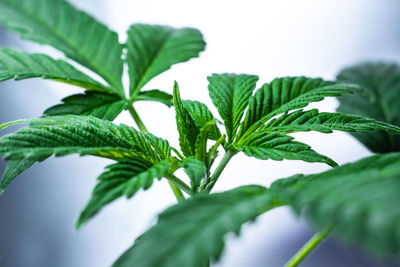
column 268, row 38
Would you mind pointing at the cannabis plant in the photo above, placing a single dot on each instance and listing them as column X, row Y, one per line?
column 357, row 200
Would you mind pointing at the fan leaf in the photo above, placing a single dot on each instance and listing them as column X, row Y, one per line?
column 360, row 199
column 312, row 120
column 153, row 49
column 286, row 94
column 266, row 145
column 122, row 178
column 63, row 135
column 379, row 99
column 231, row 93
column 191, row 232
column 101, row 105
column 20, row 65
column 78, row 35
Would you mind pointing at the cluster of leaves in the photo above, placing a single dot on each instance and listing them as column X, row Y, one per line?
column 256, row 122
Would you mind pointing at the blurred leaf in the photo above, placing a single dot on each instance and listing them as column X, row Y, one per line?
column 380, row 100
column 101, row 105
column 20, row 65
column 78, row 35
column 122, row 178
column 192, row 231
column 360, row 199
column 155, row 95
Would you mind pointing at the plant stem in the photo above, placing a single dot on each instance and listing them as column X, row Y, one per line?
column 175, row 183
column 221, row 166
column 309, row 246
column 177, row 192
column 179, row 184
column 137, row 119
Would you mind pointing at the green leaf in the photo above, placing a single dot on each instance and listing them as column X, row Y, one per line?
column 265, row 145
column 155, row 95
column 122, row 178
column 196, row 170
column 379, row 99
column 201, row 115
column 231, row 93
column 277, row 93
column 20, row 65
column 360, row 199
column 101, row 105
column 78, row 35
column 153, row 49
column 186, row 126
column 201, row 142
column 285, row 94
column 13, row 169
column 324, row 122
column 191, row 232
column 63, row 135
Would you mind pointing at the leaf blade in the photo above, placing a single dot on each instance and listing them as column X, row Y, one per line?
column 324, row 122
column 19, row 65
column 64, row 135
column 153, row 49
column 122, row 178
column 231, row 93
column 155, row 95
column 286, row 94
column 49, row 22
column 378, row 100
column 265, row 145
column 220, row 213
column 100, row 105
column 360, row 198
column 186, row 126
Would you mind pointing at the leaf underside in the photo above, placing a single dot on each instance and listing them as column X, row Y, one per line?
column 123, row 178
column 155, row 95
column 379, row 99
column 192, row 231
column 360, row 199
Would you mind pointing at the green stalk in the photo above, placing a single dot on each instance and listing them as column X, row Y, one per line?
column 175, row 183
column 181, row 185
column 177, row 192
column 137, row 119
column 221, row 166
column 309, row 246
